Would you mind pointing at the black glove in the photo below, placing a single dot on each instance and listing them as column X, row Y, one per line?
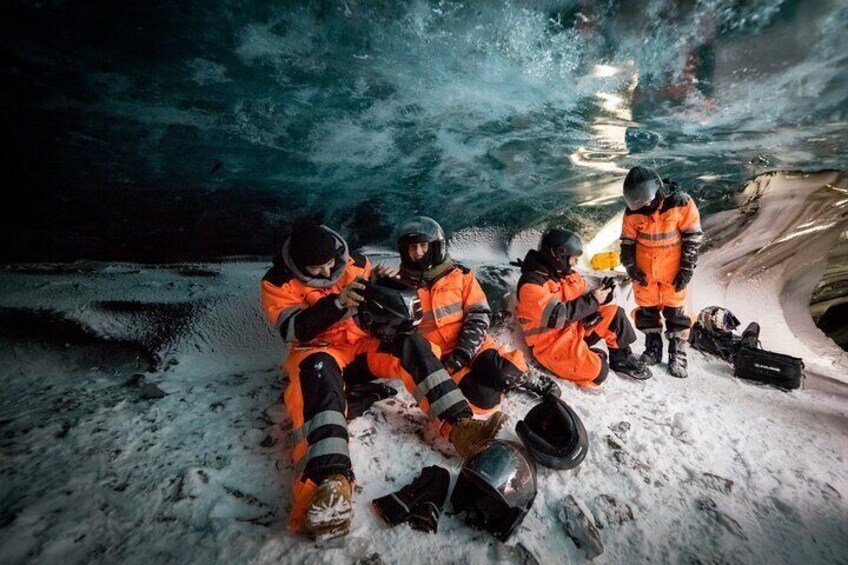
column 540, row 385
column 608, row 282
column 420, row 502
column 636, row 275
column 682, row 279
column 361, row 396
column 455, row 360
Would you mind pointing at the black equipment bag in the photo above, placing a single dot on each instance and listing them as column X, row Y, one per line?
column 775, row 369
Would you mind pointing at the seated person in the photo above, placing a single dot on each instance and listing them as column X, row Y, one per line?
column 561, row 318
column 309, row 296
column 456, row 316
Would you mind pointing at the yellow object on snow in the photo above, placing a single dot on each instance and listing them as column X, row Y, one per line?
column 606, row 260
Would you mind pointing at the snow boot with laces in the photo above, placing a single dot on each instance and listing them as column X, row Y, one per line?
column 623, row 362
column 468, row 433
column 329, row 509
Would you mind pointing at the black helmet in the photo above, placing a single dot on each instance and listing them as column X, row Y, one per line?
column 422, row 229
column 390, row 308
column 717, row 320
column 557, row 245
column 641, row 187
column 553, row 434
column 496, row 487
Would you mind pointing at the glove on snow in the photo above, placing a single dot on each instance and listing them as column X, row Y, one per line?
column 361, row 396
column 539, row 385
column 419, row 503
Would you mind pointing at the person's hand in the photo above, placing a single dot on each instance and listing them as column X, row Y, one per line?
column 349, row 297
column 682, row 280
column 380, row 270
column 601, row 294
column 636, row 275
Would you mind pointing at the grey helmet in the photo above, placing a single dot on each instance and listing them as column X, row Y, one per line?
column 641, row 187
column 496, row 487
column 557, row 245
column 418, row 230
column 717, row 320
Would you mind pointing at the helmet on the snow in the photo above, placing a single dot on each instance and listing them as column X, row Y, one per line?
column 641, row 187
column 422, row 229
column 496, row 487
column 553, row 434
column 390, row 308
column 557, row 245
column 717, row 320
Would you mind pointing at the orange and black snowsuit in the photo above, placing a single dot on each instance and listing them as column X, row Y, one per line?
column 661, row 243
column 456, row 319
column 323, row 338
column 561, row 320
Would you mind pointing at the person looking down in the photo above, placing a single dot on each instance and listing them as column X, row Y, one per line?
column 562, row 317
column 660, row 239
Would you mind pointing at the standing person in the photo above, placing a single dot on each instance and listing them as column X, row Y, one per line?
column 310, row 296
column 660, row 238
column 562, row 318
column 456, row 317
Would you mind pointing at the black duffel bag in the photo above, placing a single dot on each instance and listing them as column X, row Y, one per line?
column 756, row 364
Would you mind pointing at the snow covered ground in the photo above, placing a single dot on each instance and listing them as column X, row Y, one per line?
column 140, row 421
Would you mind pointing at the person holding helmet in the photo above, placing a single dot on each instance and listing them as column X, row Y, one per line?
column 660, row 238
column 456, row 316
column 311, row 296
column 562, row 318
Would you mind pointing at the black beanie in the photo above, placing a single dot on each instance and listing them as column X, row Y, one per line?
column 311, row 245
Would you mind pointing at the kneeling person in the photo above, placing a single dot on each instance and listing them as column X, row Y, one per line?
column 562, row 319
column 456, row 316
column 310, row 296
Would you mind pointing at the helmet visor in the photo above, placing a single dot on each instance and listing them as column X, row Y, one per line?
column 506, row 472
column 641, row 195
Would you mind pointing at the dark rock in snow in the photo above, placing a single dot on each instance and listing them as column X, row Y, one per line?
column 150, row 391
column 610, row 511
column 724, row 486
column 620, row 428
column 709, row 507
column 580, row 527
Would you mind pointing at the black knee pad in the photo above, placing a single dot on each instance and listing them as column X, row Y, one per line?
column 648, row 319
column 478, row 392
column 321, row 384
column 494, row 371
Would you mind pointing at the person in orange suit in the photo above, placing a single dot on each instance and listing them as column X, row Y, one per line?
column 310, row 296
column 562, row 317
column 457, row 317
column 660, row 238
